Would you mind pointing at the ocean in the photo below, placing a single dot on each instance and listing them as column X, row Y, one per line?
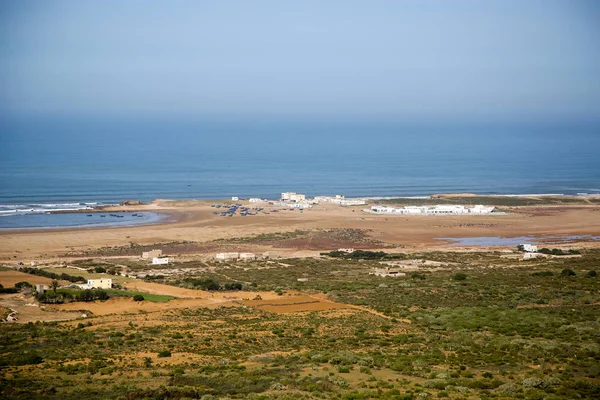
column 67, row 162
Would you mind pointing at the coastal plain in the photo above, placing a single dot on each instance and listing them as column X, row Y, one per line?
column 194, row 221
column 303, row 320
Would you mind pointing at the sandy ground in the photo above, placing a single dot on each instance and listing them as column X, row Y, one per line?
column 28, row 310
column 9, row 278
column 195, row 222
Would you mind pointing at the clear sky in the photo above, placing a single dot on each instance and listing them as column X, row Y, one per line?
column 422, row 58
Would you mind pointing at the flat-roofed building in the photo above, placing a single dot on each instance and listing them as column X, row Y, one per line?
column 102, row 283
column 293, row 196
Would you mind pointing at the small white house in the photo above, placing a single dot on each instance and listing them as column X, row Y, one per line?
column 235, row 198
column 255, row 200
column 347, row 250
column 103, row 283
column 160, row 260
column 293, row 196
column 529, row 248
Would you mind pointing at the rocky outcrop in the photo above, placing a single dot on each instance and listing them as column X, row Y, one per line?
column 131, row 203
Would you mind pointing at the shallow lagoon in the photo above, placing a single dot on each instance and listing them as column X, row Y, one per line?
column 79, row 220
column 515, row 241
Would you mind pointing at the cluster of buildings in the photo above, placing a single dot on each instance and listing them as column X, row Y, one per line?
column 341, row 200
column 433, row 210
column 299, row 200
column 233, row 256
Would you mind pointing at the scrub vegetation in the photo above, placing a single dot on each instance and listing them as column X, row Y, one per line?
column 457, row 325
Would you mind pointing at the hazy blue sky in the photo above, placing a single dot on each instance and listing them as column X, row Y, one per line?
column 464, row 59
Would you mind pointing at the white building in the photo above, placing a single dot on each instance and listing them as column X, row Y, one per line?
column 529, row 248
column 227, row 256
column 160, row 260
column 341, row 200
column 293, row 196
column 347, row 250
column 247, row 256
column 235, row 198
column 151, row 254
column 529, row 256
column 103, row 283
column 255, row 200
column 293, row 205
column 433, row 210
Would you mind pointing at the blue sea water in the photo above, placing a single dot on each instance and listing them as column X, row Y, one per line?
column 92, row 159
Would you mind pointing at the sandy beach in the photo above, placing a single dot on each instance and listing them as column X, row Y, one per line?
column 195, row 222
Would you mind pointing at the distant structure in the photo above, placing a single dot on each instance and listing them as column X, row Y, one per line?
column 293, row 196
column 151, row 254
column 384, row 272
column 247, row 256
column 346, row 250
column 341, row 200
column 160, row 260
column 302, row 279
column 270, row 254
column 227, row 256
column 103, row 283
column 528, row 248
column 255, row 200
column 530, row 256
column 40, row 288
column 235, row 198
column 433, row 210
column 300, row 205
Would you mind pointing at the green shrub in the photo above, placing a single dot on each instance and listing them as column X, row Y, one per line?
column 164, row 353
column 138, row 297
column 459, row 276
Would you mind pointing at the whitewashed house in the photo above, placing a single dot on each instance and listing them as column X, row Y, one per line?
column 102, row 283
column 529, row 248
column 293, row 196
column 160, row 260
